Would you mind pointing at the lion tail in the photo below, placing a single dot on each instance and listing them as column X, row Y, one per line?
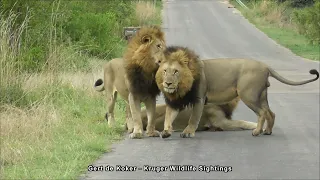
column 98, row 85
column 277, row 76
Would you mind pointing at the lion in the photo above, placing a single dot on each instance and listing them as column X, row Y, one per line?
column 114, row 85
column 214, row 118
column 141, row 58
column 185, row 80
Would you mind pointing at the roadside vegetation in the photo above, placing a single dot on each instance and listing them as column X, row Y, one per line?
column 51, row 52
column 293, row 24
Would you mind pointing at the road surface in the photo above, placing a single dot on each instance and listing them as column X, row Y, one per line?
column 292, row 152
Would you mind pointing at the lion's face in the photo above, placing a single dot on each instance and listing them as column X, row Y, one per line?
column 174, row 79
column 146, row 49
column 171, row 77
column 177, row 72
column 155, row 47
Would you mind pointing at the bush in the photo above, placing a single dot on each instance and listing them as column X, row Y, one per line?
column 293, row 3
column 307, row 21
column 301, row 3
column 93, row 32
column 298, row 3
column 92, row 26
column 10, row 38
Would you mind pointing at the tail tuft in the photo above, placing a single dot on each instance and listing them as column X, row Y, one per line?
column 99, row 82
column 314, row 72
column 98, row 85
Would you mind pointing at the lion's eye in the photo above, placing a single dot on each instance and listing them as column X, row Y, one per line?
column 159, row 46
column 164, row 71
column 175, row 71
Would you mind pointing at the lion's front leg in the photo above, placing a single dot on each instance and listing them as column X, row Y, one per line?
column 129, row 121
column 194, row 120
column 170, row 116
column 135, row 108
column 151, row 110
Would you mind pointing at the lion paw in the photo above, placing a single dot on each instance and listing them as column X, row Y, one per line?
column 165, row 134
column 188, row 132
column 130, row 130
column 153, row 133
column 187, row 135
column 136, row 136
column 256, row 132
column 111, row 123
column 267, row 132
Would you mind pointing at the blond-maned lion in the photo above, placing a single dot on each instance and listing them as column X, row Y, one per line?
column 215, row 117
column 141, row 58
column 186, row 80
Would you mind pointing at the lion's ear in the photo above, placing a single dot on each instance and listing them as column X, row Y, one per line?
column 146, row 39
column 184, row 59
column 181, row 57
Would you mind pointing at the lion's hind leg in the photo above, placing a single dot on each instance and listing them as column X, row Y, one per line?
column 232, row 125
column 269, row 114
column 111, row 98
column 261, row 113
column 254, row 102
column 220, row 122
column 270, row 122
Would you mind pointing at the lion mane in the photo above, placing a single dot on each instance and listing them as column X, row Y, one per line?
column 139, row 62
column 185, row 94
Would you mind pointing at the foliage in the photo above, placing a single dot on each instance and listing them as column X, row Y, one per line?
column 294, row 28
column 292, row 3
column 299, row 3
column 90, row 26
column 308, row 22
column 51, row 119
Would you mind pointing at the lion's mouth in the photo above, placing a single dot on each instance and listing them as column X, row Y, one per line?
column 169, row 90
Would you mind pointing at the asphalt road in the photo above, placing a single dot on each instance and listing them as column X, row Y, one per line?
column 292, row 152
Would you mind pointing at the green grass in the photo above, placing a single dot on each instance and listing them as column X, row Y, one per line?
column 71, row 144
column 290, row 39
column 283, row 35
column 55, row 129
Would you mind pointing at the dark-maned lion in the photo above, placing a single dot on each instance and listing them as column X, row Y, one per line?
column 141, row 58
column 186, row 80
column 215, row 117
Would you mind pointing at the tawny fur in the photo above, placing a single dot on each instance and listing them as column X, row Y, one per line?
column 113, row 84
column 141, row 58
column 214, row 118
column 220, row 81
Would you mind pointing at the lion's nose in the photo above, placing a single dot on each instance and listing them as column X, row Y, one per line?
column 168, row 84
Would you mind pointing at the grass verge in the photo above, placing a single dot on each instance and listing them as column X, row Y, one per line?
column 59, row 135
column 275, row 21
column 52, row 122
